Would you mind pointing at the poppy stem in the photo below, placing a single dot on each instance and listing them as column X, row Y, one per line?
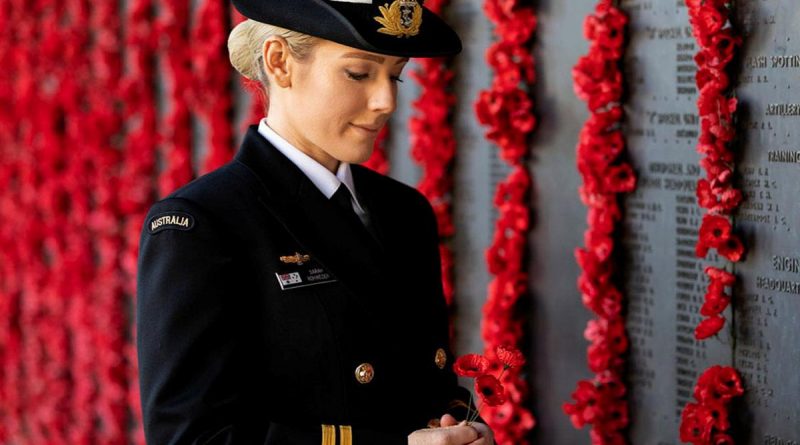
column 476, row 414
column 469, row 407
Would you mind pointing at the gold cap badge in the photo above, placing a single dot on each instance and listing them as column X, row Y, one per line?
column 297, row 258
column 402, row 19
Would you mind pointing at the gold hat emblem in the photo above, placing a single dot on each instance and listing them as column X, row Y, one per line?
column 402, row 19
column 297, row 258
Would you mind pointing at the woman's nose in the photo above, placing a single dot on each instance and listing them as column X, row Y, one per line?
column 384, row 97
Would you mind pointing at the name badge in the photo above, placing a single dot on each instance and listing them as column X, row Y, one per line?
column 293, row 275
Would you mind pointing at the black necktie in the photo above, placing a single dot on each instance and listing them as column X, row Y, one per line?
column 344, row 200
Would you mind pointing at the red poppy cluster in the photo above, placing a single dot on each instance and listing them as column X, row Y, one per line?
column 606, row 175
column 716, row 300
column 506, row 110
column 490, row 389
column 706, row 422
column 716, row 192
column 175, row 55
column 79, row 140
column 210, row 96
column 433, row 146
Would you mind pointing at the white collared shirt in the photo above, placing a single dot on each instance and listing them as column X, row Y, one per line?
column 323, row 179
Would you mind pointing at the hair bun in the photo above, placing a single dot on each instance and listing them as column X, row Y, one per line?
column 240, row 50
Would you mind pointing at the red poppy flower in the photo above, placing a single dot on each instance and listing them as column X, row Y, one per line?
column 510, row 357
column 584, row 410
column 706, row 198
column 490, row 390
column 732, row 249
column 719, row 415
column 518, row 28
column 470, row 365
column 601, row 244
column 708, row 327
column 722, row 276
column 708, row 20
column 620, row 179
column 715, row 303
column 714, row 149
column 696, row 424
column 714, row 230
column 718, row 384
column 729, row 199
column 717, row 171
column 606, row 29
column 603, row 219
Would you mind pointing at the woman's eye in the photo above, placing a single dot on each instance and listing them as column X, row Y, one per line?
column 396, row 79
column 356, row 76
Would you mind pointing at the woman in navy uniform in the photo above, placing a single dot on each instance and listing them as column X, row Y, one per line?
column 293, row 296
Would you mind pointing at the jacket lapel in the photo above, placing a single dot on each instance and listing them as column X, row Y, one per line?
column 347, row 251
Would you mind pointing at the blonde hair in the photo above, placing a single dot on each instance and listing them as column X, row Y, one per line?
column 246, row 43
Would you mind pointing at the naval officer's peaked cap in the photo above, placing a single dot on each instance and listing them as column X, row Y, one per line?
column 402, row 28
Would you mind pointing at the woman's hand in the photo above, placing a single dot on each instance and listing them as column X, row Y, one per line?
column 485, row 435
column 458, row 434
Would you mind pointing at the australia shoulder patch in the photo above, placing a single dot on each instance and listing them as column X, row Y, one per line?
column 170, row 221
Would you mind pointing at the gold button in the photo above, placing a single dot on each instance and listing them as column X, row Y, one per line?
column 441, row 358
column 364, row 373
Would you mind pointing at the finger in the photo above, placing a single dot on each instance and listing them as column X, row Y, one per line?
column 448, row 420
column 485, row 436
column 460, row 434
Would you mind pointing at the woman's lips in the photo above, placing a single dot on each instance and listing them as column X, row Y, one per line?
column 366, row 129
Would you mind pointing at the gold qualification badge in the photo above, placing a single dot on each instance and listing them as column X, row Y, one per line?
column 402, row 19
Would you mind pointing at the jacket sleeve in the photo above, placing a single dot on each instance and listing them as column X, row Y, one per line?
column 188, row 339
column 457, row 397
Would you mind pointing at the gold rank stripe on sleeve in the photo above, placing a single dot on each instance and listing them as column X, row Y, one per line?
column 328, row 435
column 345, row 435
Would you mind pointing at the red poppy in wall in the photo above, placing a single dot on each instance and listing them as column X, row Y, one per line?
column 708, row 21
column 720, row 276
column 706, row 76
column 714, row 230
column 729, row 199
column 708, row 327
column 706, row 198
column 585, row 406
column 718, row 384
column 620, row 179
column 606, row 28
column 696, row 424
column 715, row 302
column 732, row 249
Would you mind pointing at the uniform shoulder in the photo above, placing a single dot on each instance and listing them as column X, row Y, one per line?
column 219, row 194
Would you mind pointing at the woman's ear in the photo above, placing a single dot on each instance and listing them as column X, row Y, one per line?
column 276, row 61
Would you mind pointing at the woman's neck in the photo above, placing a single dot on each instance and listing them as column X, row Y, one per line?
column 286, row 131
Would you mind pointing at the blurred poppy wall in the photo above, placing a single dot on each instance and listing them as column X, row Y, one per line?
column 104, row 106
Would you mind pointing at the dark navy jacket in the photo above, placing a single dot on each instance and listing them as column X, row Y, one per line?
column 233, row 350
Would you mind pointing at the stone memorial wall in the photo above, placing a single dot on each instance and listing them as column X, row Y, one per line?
column 663, row 278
